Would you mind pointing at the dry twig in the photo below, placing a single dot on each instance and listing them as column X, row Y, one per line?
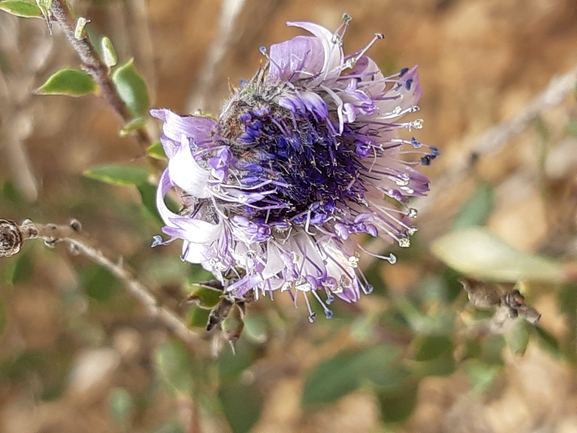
column 12, row 236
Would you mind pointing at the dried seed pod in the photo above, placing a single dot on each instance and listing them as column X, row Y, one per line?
column 11, row 238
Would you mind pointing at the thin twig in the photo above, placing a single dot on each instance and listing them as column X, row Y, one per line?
column 496, row 137
column 12, row 236
column 94, row 66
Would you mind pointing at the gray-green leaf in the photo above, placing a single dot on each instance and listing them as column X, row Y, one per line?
column 481, row 254
column 70, row 82
column 118, row 174
column 21, row 9
column 132, row 89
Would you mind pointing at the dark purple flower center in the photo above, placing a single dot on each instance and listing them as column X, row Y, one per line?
column 295, row 151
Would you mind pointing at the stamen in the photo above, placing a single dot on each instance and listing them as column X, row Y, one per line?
column 353, row 60
column 339, row 33
column 328, row 312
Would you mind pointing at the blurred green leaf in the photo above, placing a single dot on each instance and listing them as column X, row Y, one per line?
column 571, row 128
column 69, row 82
column 441, row 322
column 22, row 267
column 348, row 370
column 204, row 297
column 479, row 253
column 132, row 89
column 242, row 405
column 547, row 341
column 429, row 347
column 121, row 406
column 434, row 361
column 477, row 210
column 3, row 317
column 331, row 379
column 173, row 425
column 118, row 174
column 98, row 283
column 197, row 317
column 175, row 365
column 397, row 405
column 231, row 365
column 492, row 350
column 156, row 151
column 481, row 375
column 21, row 9
column 148, row 196
column 517, row 338
column 567, row 299
column 108, row 52
column 134, row 124
column 256, row 328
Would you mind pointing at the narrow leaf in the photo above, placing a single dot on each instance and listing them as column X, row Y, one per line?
column 134, row 124
column 132, row 89
column 398, row 405
column 156, row 151
column 70, row 82
column 21, row 9
column 108, row 52
column 118, row 174
column 348, row 370
column 242, row 405
column 478, row 253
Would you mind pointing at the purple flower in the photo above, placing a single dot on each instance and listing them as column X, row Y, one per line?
column 303, row 159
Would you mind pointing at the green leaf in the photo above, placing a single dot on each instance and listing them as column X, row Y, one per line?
column 429, row 347
column 517, row 338
column 478, row 253
column 547, row 341
column 242, row 405
column 481, row 375
column 69, row 82
column 477, row 210
column 175, row 365
column 21, row 9
column 156, row 151
column 397, row 405
column 197, row 317
column 348, row 370
column 132, row 89
column 108, row 52
column 121, row 406
column 98, row 283
column 231, row 365
column 148, row 197
column 134, row 124
column 118, row 174
column 331, row 380
column 204, row 297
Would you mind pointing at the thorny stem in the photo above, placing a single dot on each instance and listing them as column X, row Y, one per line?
column 12, row 236
column 94, row 66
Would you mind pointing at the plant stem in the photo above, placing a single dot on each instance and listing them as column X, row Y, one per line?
column 94, row 66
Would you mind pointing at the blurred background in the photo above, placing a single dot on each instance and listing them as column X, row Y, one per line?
column 79, row 354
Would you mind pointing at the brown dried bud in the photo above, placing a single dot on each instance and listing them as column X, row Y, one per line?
column 11, row 238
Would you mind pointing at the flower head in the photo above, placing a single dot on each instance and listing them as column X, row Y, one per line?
column 302, row 159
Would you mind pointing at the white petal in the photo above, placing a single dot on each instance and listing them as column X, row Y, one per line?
column 186, row 173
